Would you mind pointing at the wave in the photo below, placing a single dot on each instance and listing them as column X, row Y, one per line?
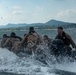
column 11, row 63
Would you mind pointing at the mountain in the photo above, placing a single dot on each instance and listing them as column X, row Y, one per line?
column 52, row 23
column 55, row 22
column 14, row 25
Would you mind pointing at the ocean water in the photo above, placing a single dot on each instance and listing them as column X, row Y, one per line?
column 11, row 64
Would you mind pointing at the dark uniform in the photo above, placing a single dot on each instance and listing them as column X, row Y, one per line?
column 66, row 39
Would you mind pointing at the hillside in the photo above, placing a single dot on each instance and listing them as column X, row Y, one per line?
column 50, row 24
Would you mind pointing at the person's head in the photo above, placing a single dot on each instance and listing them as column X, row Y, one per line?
column 31, row 29
column 45, row 37
column 5, row 36
column 12, row 34
column 60, row 30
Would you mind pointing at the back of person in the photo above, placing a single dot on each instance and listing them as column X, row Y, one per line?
column 15, row 44
column 32, row 39
column 5, row 37
column 12, row 42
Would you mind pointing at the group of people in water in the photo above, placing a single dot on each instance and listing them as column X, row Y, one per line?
column 31, row 40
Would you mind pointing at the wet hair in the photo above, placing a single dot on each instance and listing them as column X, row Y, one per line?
column 5, row 36
column 60, row 28
column 45, row 36
column 12, row 34
column 31, row 29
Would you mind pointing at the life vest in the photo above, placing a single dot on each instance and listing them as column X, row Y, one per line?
column 64, row 39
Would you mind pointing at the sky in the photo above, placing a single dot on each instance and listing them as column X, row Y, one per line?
column 37, row 11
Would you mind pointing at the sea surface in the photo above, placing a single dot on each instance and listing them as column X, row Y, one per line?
column 11, row 64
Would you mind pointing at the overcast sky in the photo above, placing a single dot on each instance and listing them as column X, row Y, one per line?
column 35, row 11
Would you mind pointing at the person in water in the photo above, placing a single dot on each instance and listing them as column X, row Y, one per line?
column 32, row 39
column 12, row 42
column 66, row 38
column 5, row 37
column 13, row 34
column 47, row 40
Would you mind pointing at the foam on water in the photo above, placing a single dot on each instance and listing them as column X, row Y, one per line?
column 9, row 62
column 69, row 66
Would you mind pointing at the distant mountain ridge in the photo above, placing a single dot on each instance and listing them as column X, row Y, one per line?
column 47, row 24
column 55, row 22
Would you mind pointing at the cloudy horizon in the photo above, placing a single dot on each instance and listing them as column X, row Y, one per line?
column 37, row 11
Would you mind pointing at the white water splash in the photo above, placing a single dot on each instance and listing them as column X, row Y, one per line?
column 9, row 62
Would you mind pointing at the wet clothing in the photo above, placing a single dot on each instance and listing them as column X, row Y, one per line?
column 31, row 32
column 12, row 44
column 31, row 39
column 67, row 40
column 3, row 41
column 17, row 37
column 5, row 37
column 59, row 49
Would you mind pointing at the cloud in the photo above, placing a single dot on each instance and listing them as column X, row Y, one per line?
column 11, row 15
column 16, row 10
column 67, row 15
column 40, row 8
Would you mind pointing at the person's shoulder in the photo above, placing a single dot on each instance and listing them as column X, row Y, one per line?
column 18, row 37
column 56, row 37
column 36, row 34
column 67, row 35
